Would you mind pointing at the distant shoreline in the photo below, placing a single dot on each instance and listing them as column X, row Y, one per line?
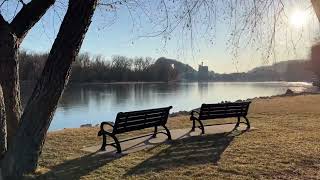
column 314, row 91
column 186, row 113
column 306, row 88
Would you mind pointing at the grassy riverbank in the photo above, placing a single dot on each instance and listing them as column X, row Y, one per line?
column 285, row 144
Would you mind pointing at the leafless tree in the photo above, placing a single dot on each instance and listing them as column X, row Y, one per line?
column 27, row 130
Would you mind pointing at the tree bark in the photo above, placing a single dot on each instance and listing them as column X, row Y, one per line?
column 316, row 7
column 11, row 36
column 9, row 78
column 22, row 156
column 3, row 127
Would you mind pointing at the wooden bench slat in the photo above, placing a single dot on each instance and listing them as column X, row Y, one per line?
column 140, row 117
column 217, row 116
column 133, row 113
column 225, row 104
column 134, row 127
column 220, row 106
column 140, row 121
column 224, row 110
column 221, row 113
column 136, row 115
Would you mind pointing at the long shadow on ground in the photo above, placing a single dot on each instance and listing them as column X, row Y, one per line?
column 76, row 168
column 187, row 152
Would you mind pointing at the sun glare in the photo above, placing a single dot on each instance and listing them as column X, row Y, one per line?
column 298, row 18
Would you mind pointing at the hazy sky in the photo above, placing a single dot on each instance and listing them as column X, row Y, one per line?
column 117, row 34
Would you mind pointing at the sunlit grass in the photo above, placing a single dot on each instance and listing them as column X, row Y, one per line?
column 285, row 144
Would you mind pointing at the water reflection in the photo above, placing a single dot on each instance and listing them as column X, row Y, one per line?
column 93, row 103
column 203, row 89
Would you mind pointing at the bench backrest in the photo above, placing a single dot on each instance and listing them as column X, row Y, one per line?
column 135, row 120
column 224, row 110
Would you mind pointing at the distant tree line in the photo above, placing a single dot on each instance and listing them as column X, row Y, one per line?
column 88, row 68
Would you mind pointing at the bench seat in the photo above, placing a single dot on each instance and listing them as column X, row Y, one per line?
column 222, row 110
column 133, row 121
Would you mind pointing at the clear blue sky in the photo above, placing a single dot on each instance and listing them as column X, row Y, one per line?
column 122, row 38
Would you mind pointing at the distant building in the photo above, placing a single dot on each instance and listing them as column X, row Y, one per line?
column 203, row 72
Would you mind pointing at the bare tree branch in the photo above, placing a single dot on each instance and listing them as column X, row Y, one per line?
column 23, row 3
column 29, row 15
column 1, row 4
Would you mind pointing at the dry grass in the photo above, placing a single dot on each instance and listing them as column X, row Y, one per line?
column 285, row 145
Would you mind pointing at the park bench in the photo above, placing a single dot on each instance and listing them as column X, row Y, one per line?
column 132, row 121
column 222, row 110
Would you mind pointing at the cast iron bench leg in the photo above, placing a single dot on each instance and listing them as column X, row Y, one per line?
column 238, row 123
column 193, row 124
column 155, row 132
column 104, row 143
column 117, row 143
column 168, row 132
column 248, row 123
column 201, row 126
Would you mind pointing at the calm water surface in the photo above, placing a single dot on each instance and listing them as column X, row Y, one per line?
column 93, row 103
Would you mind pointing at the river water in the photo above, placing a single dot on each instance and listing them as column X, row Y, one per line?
column 93, row 103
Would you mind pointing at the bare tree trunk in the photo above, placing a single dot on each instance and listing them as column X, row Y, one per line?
column 3, row 127
column 316, row 7
column 9, row 78
column 22, row 156
column 11, row 35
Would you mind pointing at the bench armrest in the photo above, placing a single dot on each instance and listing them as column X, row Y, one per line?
column 107, row 123
column 195, row 114
column 195, row 111
column 101, row 127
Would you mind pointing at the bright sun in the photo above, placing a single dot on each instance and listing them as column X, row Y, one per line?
column 298, row 18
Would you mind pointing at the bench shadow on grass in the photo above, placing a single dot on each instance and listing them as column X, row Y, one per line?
column 194, row 150
column 188, row 151
column 76, row 168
